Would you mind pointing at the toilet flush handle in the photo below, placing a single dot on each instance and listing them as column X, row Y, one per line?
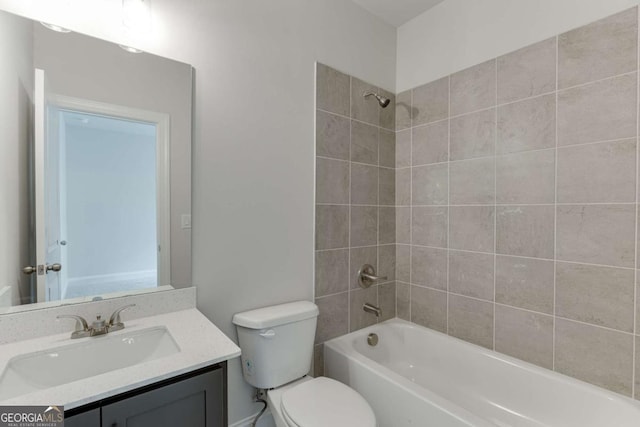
column 268, row 334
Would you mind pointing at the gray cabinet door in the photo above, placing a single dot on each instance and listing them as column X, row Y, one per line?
column 85, row 419
column 194, row 402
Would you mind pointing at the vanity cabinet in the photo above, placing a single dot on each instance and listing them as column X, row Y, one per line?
column 197, row 399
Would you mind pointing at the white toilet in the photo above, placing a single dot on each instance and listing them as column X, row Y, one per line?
column 277, row 345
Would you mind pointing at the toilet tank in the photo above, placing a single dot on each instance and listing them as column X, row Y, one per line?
column 276, row 342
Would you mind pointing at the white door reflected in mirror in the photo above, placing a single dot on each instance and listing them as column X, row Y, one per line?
column 101, row 180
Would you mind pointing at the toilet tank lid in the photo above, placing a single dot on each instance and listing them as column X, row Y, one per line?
column 276, row 315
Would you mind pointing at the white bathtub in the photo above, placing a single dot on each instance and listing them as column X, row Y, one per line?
column 419, row 377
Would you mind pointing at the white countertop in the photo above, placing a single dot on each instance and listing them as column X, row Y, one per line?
column 201, row 344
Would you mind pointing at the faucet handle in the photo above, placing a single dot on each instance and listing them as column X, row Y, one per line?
column 82, row 329
column 115, row 323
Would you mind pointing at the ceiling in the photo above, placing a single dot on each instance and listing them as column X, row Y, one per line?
column 397, row 12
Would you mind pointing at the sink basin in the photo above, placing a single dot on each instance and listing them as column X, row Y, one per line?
column 93, row 356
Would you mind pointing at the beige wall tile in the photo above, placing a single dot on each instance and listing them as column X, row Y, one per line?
column 332, row 181
column 596, row 355
column 605, row 48
column 403, row 263
column 387, row 187
column 525, row 231
column 403, row 225
column 529, row 71
column 364, row 109
column 471, row 228
column 429, row 184
column 387, row 301
column 603, row 296
column 637, row 388
column 403, row 110
column 403, row 187
column 430, row 143
column 597, row 173
column 474, row 88
column 332, row 272
column 600, row 111
column 364, row 143
column 430, row 102
column 318, row 360
column 332, row 90
column 332, row 136
column 333, row 319
column 471, row 320
column 358, row 258
column 403, row 300
column 429, row 226
column 364, row 184
column 472, row 182
column 403, row 148
column 526, row 178
column 387, row 148
column 525, row 335
column 386, row 225
column 387, row 262
column 332, row 226
column 596, row 234
column 473, row 135
column 525, row 282
column 429, row 267
column 471, row 274
column 429, row 308
column 358, row 317
column 527, row 125
column 364, row 225
column 388, row 114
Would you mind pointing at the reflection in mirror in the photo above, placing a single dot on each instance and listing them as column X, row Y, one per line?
column 97, row 173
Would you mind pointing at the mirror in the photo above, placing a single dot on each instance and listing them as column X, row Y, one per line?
column 96, row 187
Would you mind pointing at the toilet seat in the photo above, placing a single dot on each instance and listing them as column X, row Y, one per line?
column 325, row 402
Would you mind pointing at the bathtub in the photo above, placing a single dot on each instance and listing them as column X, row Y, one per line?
column 415, row 377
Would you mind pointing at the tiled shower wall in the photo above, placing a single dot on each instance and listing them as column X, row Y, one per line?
column 355, row 204
column 516, row 190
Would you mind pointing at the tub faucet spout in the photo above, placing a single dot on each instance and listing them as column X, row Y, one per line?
column 370, row 308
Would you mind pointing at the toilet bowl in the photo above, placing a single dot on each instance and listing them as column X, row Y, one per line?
column 319, row 402
column 277, row 346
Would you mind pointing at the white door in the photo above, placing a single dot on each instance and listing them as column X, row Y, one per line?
column 47, row 193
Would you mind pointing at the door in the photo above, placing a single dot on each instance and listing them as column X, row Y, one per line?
column 46, row 192
column 195, row 402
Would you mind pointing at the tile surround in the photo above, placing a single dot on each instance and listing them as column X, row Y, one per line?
column 515, row 189
column 531, row 247
column 355, row 201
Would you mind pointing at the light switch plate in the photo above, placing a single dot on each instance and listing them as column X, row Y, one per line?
column 185, row 220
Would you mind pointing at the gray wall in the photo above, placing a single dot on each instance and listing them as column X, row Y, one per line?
column 83, row 67
column 355, row 198
column 517, row 203
column 16, row 91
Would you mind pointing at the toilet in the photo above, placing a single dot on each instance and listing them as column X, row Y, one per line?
column 277, row 346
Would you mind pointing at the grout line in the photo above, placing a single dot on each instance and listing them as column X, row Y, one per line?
column 448, row 198
column 353, row 119
column 411, row 208
column 349, row 219
column 495, row 202
column 555, row 218
column 635, row 278
column 519, row 204
column 628, row 73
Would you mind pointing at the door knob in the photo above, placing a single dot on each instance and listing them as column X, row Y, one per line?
column 29, row 270
column 54, row 267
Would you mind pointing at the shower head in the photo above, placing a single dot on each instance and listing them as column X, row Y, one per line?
column 384, row 102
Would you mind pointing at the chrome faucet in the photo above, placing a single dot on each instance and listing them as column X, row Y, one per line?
column 98, row 327
column 370, row 308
